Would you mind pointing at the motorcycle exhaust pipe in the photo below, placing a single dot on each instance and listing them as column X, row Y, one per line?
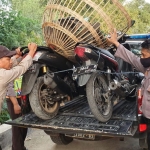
column 114, row 85
column 124, row 81
column 48, row 80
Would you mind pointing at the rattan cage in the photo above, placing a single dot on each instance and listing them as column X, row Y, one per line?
column 66, row 22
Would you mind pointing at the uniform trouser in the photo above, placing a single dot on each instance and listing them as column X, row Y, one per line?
column 147, row 121
column 148, row 135
column 18, row 133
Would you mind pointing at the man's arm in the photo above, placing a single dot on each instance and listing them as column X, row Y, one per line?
column 15, row 72
column 14, row 61
column 21, row 68
column 129, row 57
column 11, row 94
column 125, row 54
column 15, row 57
column 17, row 108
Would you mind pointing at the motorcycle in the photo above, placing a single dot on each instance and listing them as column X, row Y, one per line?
column 46, row 90
column 103, row 76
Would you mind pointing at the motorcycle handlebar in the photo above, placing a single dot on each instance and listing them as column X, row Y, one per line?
column 22, row 48
column 25, row 50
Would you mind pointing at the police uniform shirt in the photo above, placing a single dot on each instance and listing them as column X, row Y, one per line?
column 7, row 76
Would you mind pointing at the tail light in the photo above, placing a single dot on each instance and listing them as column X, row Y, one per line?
column 80, row 52
column 23, row 99
column 142, row 127
column 140, row 97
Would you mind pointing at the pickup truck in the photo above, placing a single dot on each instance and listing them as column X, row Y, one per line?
column 75, row 120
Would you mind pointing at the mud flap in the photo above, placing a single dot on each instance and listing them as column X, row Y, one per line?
column 83, row 79
column 29, row 79
column 76, row 117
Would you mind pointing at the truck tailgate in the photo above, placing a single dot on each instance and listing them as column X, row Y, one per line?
column 76, row 117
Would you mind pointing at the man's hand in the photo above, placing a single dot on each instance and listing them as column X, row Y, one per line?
column 17, row 109
column 113, row 38
column 18, row 53
column 32, row 48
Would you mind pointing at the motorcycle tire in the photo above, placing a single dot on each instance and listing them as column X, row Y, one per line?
column 92, row 97
column 34, row 98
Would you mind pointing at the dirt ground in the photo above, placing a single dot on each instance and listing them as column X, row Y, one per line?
column 41, row 141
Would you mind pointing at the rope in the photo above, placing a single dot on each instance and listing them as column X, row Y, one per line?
column 102, row 72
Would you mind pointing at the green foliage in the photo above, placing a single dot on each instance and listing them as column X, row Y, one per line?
column 140, row 12
column 22, row 22
column 4, row 115
column 17, row 30
column 32, row 9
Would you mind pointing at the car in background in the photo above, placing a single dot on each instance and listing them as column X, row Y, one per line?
column 135, row 41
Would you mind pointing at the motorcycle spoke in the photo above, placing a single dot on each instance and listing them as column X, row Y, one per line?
column 98, row 83
column 46, row 105
column 101, row 95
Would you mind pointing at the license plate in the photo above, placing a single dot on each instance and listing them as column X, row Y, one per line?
column 84, row 70
column 32, row 68
column 83, row 136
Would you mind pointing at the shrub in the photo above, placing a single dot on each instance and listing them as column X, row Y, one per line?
column 4, row 115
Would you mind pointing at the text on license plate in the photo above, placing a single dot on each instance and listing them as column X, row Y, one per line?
column 85, row 69
column 84, row 136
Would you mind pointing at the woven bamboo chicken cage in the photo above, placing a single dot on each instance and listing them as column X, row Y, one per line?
column 66, row 22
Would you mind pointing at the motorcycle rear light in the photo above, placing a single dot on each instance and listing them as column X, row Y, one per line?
column 139, row 102
column 80, row 52
column 142, row 127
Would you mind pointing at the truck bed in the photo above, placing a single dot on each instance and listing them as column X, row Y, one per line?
column 76, row 117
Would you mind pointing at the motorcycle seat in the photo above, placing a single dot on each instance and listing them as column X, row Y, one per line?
column 106, row 52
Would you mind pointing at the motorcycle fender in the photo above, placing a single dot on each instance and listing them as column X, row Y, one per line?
column 83, row 79
column 29, row 79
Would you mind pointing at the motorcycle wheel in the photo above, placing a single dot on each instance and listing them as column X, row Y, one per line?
column 99, row 103
column 39, row 101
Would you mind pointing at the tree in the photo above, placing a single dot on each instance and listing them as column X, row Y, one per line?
column 140, row 12
column 17, row 30
column 33, row 9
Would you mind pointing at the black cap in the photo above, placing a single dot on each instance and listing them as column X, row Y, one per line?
column 5, row 52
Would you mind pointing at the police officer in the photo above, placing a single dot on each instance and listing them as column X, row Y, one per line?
column 9, row 73
column 13, row 104
column 143, row 65
column 14, row 109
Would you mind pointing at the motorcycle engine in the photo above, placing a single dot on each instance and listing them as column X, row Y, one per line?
column 122, row 88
